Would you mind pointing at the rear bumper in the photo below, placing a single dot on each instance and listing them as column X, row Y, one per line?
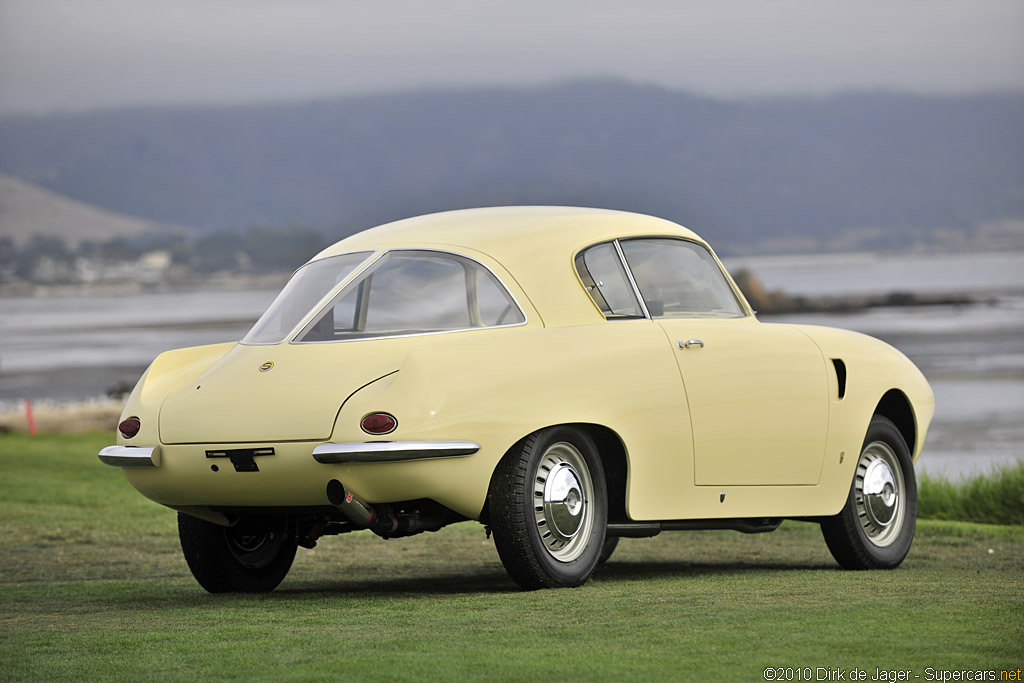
column 191, row 475
column 327, row 454
column 392, row 451
column 130, row 456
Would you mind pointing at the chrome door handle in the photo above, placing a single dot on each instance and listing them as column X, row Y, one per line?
column 690, row 343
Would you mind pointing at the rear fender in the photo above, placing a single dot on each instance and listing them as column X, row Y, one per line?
column 494, row 389
column 169, row 373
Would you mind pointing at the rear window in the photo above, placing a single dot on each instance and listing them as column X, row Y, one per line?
column 304, row 292
column 415, row 292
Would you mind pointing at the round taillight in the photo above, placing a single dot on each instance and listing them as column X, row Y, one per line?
column 129, row 427
column 379, row 423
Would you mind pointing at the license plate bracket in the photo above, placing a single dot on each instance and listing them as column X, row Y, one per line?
column 243, row 459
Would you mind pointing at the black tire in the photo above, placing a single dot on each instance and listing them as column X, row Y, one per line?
column 544, row 541
column 249, row 557
column 610, row 543
column 875, row 531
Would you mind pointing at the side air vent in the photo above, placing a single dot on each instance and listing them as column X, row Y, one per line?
column 840, row 367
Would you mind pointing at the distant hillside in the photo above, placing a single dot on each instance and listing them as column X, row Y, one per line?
column 27, row 210
column 851, row 171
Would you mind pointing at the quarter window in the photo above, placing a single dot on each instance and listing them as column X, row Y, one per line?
column 602, row 273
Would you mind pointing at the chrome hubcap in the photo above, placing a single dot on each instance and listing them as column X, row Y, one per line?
column 879, row 493
column 563, row 500
column 562, row 494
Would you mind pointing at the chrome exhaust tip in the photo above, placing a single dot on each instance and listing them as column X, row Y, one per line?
column 357, row 511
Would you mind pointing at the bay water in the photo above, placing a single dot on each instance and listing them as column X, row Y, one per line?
column 76, row 346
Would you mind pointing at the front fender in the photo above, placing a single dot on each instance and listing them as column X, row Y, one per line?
column 873, row 369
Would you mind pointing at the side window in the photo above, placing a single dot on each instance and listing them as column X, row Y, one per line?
column 602, row 273
column 493, row 304
column 679, row 278
column 412, row 292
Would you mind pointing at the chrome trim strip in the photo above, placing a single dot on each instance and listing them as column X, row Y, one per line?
column 130, row 456
column 629, row 274
column 392, row 451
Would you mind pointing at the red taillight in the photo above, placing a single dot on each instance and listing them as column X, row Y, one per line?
column 129, row 427
column 379, row 423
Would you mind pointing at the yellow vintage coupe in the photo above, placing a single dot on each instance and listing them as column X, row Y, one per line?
column 564, row 376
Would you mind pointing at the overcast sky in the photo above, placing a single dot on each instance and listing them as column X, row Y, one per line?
column 86, row 54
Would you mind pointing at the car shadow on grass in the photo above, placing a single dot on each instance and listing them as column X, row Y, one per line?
column 497, row 581
column 491, row 581
column 628, row 570
column 179, row 592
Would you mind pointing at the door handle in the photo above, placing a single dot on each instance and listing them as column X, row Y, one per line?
column 690, row 343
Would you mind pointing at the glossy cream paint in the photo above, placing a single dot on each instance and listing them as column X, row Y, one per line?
column 754, row 414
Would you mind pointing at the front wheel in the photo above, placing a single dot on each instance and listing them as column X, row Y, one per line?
column 249, row 557
column 549, row 509
column 876, row 526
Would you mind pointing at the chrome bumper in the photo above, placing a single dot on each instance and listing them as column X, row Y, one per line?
column 130, row 456
column 392, row 451
column 328, row 453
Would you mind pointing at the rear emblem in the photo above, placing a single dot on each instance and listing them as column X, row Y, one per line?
column 266, row 366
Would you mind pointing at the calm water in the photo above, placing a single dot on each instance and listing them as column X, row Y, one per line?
column 47, row 333
column 72, row 347
column 882, row 273
column 973, row 356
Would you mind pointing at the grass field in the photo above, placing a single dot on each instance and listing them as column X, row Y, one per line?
column 93, row 586
column 994, row 498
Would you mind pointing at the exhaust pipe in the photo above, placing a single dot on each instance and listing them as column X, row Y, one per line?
column 388, row 521
column 355, row 510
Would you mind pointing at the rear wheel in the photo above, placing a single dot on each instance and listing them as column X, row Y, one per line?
column 249, row 557
column 610, row 543
column 875, row 528
column 549, row 509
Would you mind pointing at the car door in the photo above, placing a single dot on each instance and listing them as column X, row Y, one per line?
column 757, row 393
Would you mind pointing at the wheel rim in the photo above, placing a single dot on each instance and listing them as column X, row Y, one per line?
column 254, row 550
column 880, row 493
column 563, row 502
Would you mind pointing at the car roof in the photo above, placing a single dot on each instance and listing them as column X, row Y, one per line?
column 498, row 230
column 535, row 244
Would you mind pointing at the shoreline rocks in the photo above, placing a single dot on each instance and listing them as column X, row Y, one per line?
column 778, row 302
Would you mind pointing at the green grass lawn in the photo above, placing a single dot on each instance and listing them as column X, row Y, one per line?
column 995, row 498
column 93, row 586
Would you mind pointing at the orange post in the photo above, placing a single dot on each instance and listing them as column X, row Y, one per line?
column 31, row 419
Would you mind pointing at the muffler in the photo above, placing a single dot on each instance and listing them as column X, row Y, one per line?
column 389, row 520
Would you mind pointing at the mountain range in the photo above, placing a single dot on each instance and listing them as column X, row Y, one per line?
column 860, row 170
column 27, row 210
